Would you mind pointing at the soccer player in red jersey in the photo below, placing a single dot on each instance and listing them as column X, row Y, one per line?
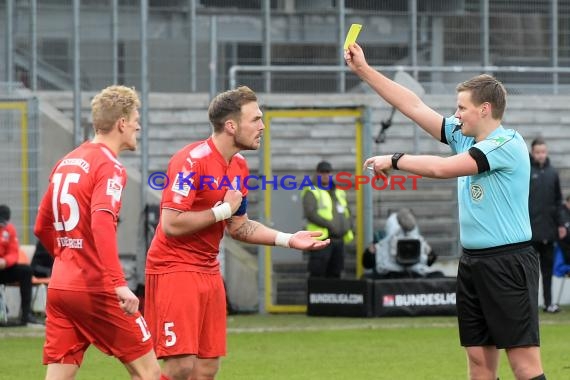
column 185, row 299
column 88, row 300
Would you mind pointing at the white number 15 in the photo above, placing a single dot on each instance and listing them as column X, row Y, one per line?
column 63, row 197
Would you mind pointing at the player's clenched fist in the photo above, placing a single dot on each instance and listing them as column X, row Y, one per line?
column 233, row 197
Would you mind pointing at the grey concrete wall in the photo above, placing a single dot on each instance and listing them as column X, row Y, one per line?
column 241, row 276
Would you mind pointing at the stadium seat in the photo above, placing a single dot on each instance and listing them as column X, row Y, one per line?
column 3, row 305
column 25, row 257
column 38, row 284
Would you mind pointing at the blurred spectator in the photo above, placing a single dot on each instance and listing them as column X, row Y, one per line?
column 10, row 270
column 326, row 209
column 545, row 199
column 381, row 256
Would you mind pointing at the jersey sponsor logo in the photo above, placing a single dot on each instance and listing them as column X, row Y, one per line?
column 334, row 298
column 476, row 192
column 114, row 189
column 422, row 299
column 84, row 165
column 499, row 140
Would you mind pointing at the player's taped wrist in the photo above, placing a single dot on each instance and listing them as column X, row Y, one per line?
column 282, row 239
column 222, row 212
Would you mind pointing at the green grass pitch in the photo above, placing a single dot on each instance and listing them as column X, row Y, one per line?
column 289, row 347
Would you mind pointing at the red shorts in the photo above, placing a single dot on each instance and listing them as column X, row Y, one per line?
column 74, row 320
column 186, row 313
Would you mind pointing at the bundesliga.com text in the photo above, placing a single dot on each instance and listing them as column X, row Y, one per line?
column 342, row 180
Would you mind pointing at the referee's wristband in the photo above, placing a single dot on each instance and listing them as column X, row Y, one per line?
column 282, row 239
column 395, row 158
column 222, row 212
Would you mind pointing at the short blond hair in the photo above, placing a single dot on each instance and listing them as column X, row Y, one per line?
column 111, row 104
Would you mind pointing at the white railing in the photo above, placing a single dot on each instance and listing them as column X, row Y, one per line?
column 554, row 85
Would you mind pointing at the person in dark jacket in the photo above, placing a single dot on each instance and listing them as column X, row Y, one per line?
column 545, row 206
column 42, row 262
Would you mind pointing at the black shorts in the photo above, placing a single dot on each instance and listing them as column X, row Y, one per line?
column 497, row 297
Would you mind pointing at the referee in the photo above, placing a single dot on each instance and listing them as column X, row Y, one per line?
column 497, row 281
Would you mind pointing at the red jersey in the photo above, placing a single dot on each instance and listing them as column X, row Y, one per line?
column 199, row 178
column 9, row 246
column 87, row 180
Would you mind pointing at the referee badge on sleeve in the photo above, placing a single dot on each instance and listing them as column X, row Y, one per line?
column 476, row 192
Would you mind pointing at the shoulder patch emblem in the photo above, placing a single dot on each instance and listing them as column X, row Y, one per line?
column 114, row 189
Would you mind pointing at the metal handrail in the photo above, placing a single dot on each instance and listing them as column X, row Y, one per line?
column 337, row 69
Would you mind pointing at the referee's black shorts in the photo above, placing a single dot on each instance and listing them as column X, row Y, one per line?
column 497, row 297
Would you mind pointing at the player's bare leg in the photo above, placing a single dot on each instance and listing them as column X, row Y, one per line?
column 205, row 369
column 483, row 362
column 56, row 371
column 525, row 362
column 178, row 367
column 145, row 367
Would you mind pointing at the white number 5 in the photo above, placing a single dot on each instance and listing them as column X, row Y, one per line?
column 170, row 335
column 64, row 198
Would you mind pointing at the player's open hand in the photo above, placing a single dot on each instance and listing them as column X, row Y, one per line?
column 306, row 241
column 128, row 302
column 354, row 57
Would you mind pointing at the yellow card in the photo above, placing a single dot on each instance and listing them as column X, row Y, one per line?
column 352, row 35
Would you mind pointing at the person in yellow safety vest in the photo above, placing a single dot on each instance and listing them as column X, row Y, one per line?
column 326, row 209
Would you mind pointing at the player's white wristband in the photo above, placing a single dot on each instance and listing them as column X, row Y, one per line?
column 222, row 212
column 282, row 239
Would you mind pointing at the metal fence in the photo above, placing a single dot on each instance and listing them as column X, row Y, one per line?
column 191, row 45
column 19, row 144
